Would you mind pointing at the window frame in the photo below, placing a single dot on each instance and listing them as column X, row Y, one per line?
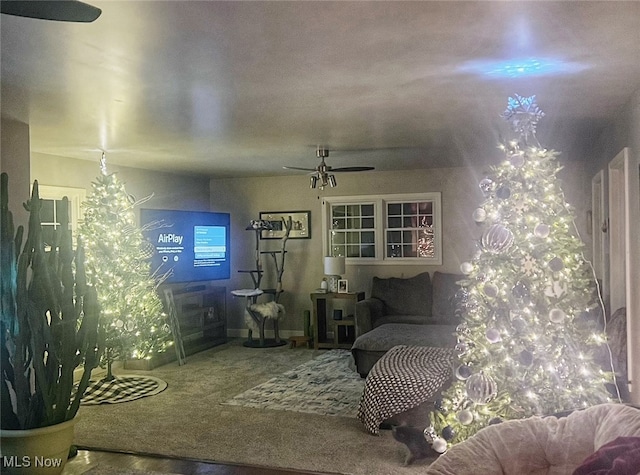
column 379, row 203
column 76, row 197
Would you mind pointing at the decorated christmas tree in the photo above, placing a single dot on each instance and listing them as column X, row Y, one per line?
column 117, row 261
column 531, row 341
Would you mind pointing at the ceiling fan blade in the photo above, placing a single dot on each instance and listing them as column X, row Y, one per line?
column 58, row 10
column 299, row 168
column 352, row 169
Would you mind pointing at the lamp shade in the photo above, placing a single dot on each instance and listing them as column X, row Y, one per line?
column 334, row 265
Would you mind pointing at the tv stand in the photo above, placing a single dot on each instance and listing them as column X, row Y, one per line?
column 202, row 314
column 201, row 310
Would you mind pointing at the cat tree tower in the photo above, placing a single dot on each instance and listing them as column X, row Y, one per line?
column 260, row 313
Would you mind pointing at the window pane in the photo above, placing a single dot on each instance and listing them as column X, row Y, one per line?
column 409, row 222
column 367, row 210
column 368, row 237
column 353, row 223
column 338, row 250
column 338, row 211
column 409, row 208
column 368, row 251
column 339, row 223
column 409, row 251
column 426, row 207
column 47, row 212
column 59, row 210
column 394, row 209
column 394, row 222
column 353, row 251
column 394, row 250
column 353, row 210
column 394, row 237
column 337, row 237
column 368, row 223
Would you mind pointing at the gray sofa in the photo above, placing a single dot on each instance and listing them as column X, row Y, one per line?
column 419, row 310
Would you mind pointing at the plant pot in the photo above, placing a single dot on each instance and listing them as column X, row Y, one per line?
column 42, row 451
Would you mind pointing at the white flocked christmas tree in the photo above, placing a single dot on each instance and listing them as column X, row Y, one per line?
column 118, row 265
column 531, row 341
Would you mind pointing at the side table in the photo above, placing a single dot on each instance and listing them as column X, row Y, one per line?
column 320, row 319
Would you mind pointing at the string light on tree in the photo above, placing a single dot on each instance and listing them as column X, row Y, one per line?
column 531, row 342
column 117, row 262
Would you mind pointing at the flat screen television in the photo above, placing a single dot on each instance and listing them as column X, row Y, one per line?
column 191, row 245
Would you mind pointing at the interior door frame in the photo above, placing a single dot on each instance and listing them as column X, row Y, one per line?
column 599, row 235
column 624, row 254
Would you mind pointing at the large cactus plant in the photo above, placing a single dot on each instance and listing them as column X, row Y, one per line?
column 49, row 322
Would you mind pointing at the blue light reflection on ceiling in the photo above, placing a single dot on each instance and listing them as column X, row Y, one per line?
column 521, row 67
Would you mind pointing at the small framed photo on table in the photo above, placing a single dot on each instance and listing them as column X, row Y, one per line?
column 343, row 286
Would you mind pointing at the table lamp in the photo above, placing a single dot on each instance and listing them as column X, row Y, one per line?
column 334, row 267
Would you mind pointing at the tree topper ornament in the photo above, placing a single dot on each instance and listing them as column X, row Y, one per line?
column 523, row 114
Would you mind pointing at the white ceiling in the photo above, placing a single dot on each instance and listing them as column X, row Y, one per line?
column 242, row 88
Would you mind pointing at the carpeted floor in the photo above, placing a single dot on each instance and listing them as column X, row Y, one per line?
column 327, row 385
column 190, row 419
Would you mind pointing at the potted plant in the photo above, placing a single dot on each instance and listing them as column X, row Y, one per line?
column 49, row 327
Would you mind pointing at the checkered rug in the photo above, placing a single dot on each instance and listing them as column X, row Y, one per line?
column 122, row 389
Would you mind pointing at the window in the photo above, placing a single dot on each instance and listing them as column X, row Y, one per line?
column 51, row 197
column 384, row 229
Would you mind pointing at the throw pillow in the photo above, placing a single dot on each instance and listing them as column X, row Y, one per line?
column 410, row 296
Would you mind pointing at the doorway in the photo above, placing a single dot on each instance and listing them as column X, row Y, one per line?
column 624, row 255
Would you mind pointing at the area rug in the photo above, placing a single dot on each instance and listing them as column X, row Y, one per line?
column 122, row 389
column 327, row 385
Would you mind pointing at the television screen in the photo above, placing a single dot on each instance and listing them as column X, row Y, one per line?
column 190, row 245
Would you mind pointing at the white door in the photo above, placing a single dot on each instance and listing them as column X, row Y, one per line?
column 624, row 255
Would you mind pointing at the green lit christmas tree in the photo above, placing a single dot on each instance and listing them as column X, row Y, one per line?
column 531, row 341
column 117, row 261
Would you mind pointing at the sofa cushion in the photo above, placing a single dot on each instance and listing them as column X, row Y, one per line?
column 410, row 296
column 445, row 301
column 389, row 335
column 411, row 319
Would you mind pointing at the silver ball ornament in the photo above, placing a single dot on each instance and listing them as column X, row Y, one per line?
column 556, row 315
column 490, row 290
column 429, row 434
column 461, row 348
column 493, row 335
column 439, row 445
column 465, row 417
column 463, row 372
column 517, row 160
column 541, row 230
column 497, row 238
column 466, row 268
column 556, row 264
column 486, row 185
column 481, row 388
column 479, row 215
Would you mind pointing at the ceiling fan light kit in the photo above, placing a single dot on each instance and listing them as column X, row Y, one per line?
column 322, row 175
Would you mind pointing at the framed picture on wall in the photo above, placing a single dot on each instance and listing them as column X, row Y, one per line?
column 300, row 224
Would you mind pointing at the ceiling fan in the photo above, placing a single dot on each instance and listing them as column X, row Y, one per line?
column 322, row 175
column 58, row 10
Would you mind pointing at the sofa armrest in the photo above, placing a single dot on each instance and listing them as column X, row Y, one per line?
column 367, row 312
